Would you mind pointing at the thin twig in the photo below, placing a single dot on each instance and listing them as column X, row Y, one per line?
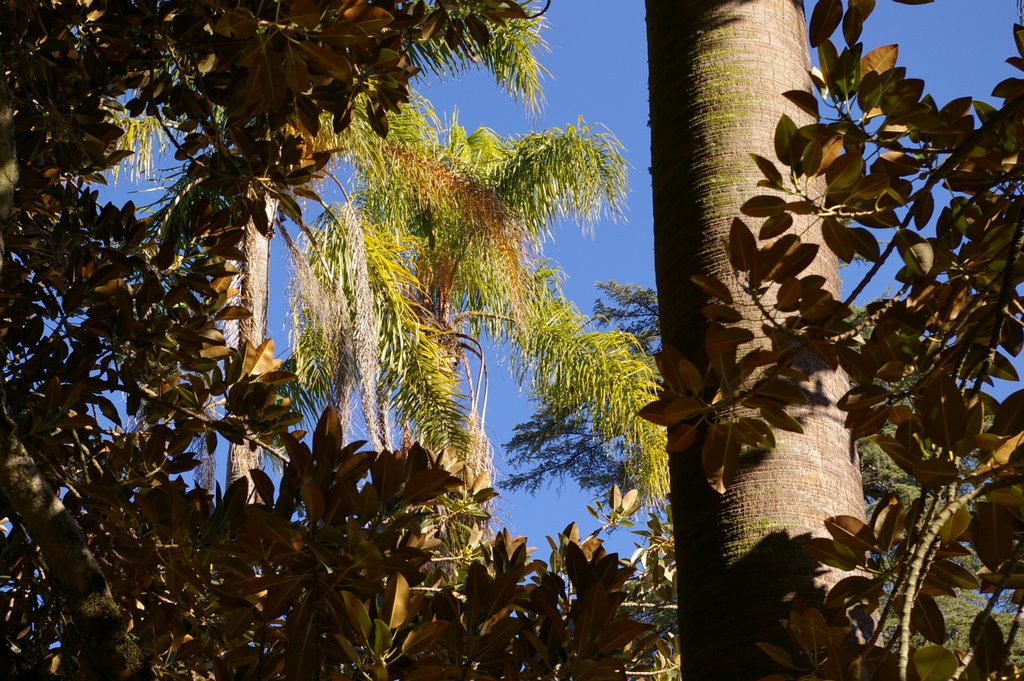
column 920, row 555
column 653, row 673
column 541, row 13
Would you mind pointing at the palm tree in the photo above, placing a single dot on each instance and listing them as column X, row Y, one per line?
column 510, row 55
column 465, row 215
column 713, row 103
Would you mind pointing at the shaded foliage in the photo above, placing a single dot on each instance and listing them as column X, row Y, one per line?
column 936, row 387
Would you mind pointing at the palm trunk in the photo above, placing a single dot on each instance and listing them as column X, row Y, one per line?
column 717, row 71
column 254, row 295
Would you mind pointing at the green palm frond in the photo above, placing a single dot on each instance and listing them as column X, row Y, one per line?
column 577, row 173
column 511, row 56
column 481, row 202
column 323, row 378
column 145, row 138
column 353, row 262
column 572, row 367
column 416, row 368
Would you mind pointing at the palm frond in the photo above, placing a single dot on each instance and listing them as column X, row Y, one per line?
column 377, row 343
column 575, row 368
column 511, row 56
column 145, row 138
column 416, row 368
column 576, row 173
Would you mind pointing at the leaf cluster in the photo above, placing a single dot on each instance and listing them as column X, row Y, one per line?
column 112, row 566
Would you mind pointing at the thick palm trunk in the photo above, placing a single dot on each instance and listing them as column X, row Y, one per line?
column 254, row 295
column 717, row 71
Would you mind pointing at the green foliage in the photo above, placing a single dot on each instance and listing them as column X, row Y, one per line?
column 463, row 216
column 563, row 441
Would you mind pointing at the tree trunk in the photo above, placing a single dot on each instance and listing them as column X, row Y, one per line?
column 254, row 295
column 717, row 71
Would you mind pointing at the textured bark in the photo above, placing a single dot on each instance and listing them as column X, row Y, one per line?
column 254, row 295
column 8, row 167
column 717, row 71
column 108, row 652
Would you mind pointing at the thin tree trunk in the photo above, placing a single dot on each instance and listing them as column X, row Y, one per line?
column 254, row 295
column 108, row 652
column 717, row 71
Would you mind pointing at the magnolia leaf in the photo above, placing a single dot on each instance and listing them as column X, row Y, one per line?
column 918, row 257
column 934, row 663
column 761, row 206
column 1009, row 415
column 853, row 24
column 811, row 158
column 778, row 654
column 669, row 412
column 720, row 456
column 992, row 534
column 358, row 615
column 721, row 313
column 856, row 590
column 327, row 61
column 805, row 100
column 768, row 169
column 880, row 59
column 844, row 171
column 926, row 619
column 234, row 312
column 396, row 601
column 838, row 238
column 781, row 419
column 724, row 340
column 742, row 246
column 935, row 472
column 953, row 574
column 302, row 655
column 955, row 525
column 680, row 438
column 313, row 500
column 862, row 397
column 305, row 13
column 989, row 652
column 852, row 533
column 690, row 376
column 813, row 632
column 369, row 18
column 828, row 552
column 887, row 522
column 669, row 362
column 713, row 287
column 775, row 226
column 785, row 138
column 1004, row 452
column 260, row 359
column 824, row 20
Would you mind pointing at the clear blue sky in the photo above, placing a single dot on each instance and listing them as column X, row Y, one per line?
column 598, row 63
